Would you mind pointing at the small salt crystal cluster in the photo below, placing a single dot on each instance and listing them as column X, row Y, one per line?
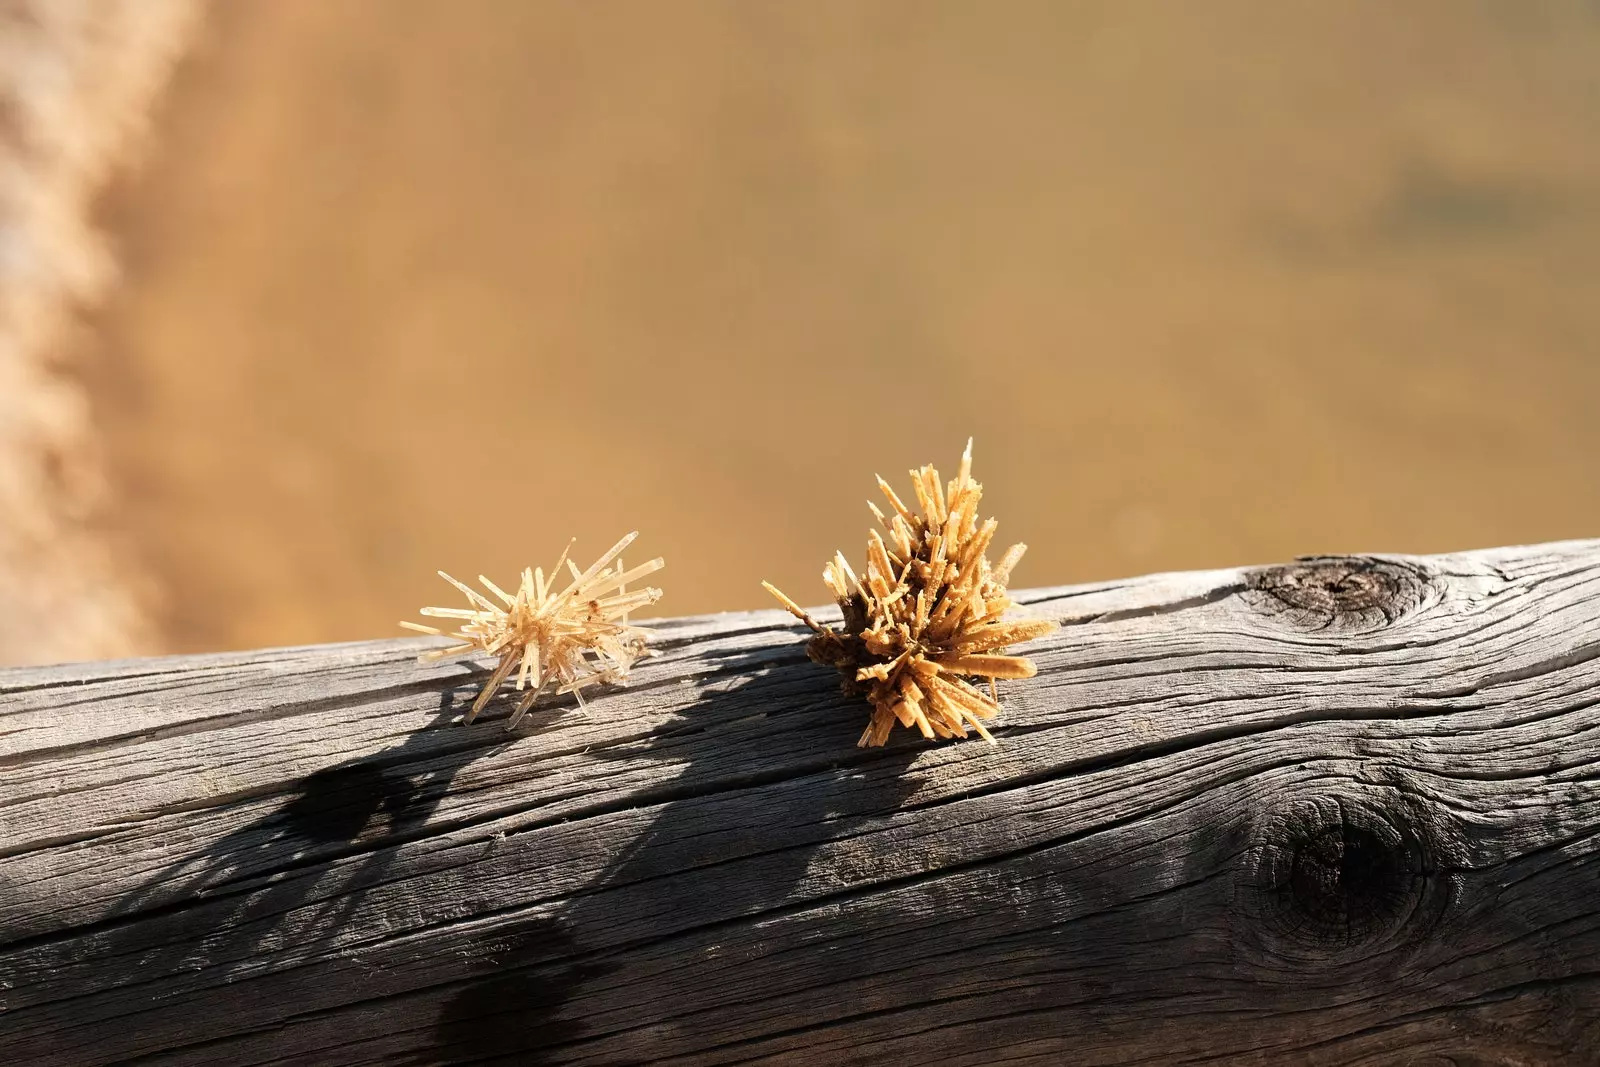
column 566, row 639
column 928, row 615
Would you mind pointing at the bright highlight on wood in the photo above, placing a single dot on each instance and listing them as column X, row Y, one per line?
column 927, row 616
column 570, row 639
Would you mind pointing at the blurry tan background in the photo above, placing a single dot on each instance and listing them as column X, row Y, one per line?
column 410, row 284
column 77, row 79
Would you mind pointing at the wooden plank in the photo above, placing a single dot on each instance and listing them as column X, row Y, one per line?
column 1341, row 811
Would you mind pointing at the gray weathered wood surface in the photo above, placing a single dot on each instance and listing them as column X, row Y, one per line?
column 1342, row 811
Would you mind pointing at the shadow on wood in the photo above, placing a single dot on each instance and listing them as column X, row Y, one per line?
column 542, row 966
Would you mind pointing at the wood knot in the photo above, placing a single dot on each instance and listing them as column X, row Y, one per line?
column 1338, row 592
column 1335, row 878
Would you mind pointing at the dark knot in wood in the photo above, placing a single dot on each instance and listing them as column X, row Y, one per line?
column 1337, row 592
column 1341, row 878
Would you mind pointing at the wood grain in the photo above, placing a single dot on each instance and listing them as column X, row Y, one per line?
column 1339, row 811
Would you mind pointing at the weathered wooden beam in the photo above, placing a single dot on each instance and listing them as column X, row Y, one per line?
column 1341, row 811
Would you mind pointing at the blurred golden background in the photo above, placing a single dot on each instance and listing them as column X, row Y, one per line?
column 410, row 285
